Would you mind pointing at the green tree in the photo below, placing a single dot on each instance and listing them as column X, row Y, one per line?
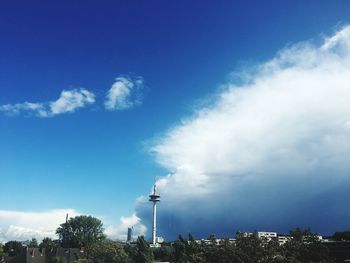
column 165, row 253
column 194, row 250
column 143, row 251
column 81, row 260
column 2, row 252
column 303, row 235
column 13, row 248
column 48, row 244
column 80, row 231
column 180, row 250
column 33, row 243
column 251, row 247
column 224, row 252
column 107, row 251
column 59, row 260
column 341, row 236
column 305, row 247
column 188, row 250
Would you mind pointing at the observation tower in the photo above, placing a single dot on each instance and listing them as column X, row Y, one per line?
column 154, row 198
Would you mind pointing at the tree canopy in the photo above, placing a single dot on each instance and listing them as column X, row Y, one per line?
column 13, row 248
column 80, row 231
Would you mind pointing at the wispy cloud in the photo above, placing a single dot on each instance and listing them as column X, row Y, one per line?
column 125, row 93
column 272, row 153
column 69, row 101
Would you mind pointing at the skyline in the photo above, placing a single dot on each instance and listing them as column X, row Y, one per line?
column 214, row 100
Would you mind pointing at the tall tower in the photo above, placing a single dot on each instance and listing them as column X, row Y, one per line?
column 154, row 197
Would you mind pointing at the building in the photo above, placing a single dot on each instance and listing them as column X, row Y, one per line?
column 129, row 237
column 267, row 235
column 37, row 255
column 283, row 239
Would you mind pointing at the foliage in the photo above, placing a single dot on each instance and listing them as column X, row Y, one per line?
column 248, row 249
column 13, row 248
column 164, row 253
column 2, row 253
column 341, row 236
column 303, row 235
column 188, row 250
column 80, row 231
column 130, row 251
column 48, row 244
column 59, row 260
column 87, row 232
column 107, row 251
column 143, row 253
column 33, row 243
column 81, row 260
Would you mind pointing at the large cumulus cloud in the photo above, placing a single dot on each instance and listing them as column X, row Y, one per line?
column 20, row 225
column 269, row 154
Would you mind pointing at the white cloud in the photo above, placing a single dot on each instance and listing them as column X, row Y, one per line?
column 272, row 153
column 19, row 225
column 119, row 232
column 22, row 225
column 69, row 101
column 124, row 94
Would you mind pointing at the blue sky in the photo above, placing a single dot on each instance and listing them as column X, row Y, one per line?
column 96, row 160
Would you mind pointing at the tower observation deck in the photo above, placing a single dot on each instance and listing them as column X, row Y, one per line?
column 154, row 198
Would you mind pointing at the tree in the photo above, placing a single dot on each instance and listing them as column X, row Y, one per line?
column 1, row 250
column 48, row 244
column 305, row 247
column 80, row 231
column 180, row 250
column 81, row 260
column 303, row 235
column 107, row 251
column 194, row 250
column 188, row 250
column 33, row 243
column 224, row 252
column 143, row 251
column 165, row 253
column 341, row 236
column 13, row 248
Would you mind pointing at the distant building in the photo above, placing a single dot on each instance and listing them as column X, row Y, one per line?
column 129, row 238
column 217, row 240
column 320, row 238
column 283, row 239
column 268, row 236
column 159, row 240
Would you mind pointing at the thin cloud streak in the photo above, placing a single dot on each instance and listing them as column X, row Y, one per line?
column 68, row 102
column 272, row 153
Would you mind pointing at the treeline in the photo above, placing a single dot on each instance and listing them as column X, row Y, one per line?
column 247, row 249
column 86, row 233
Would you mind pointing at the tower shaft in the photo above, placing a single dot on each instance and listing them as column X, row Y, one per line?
column 154, row 227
